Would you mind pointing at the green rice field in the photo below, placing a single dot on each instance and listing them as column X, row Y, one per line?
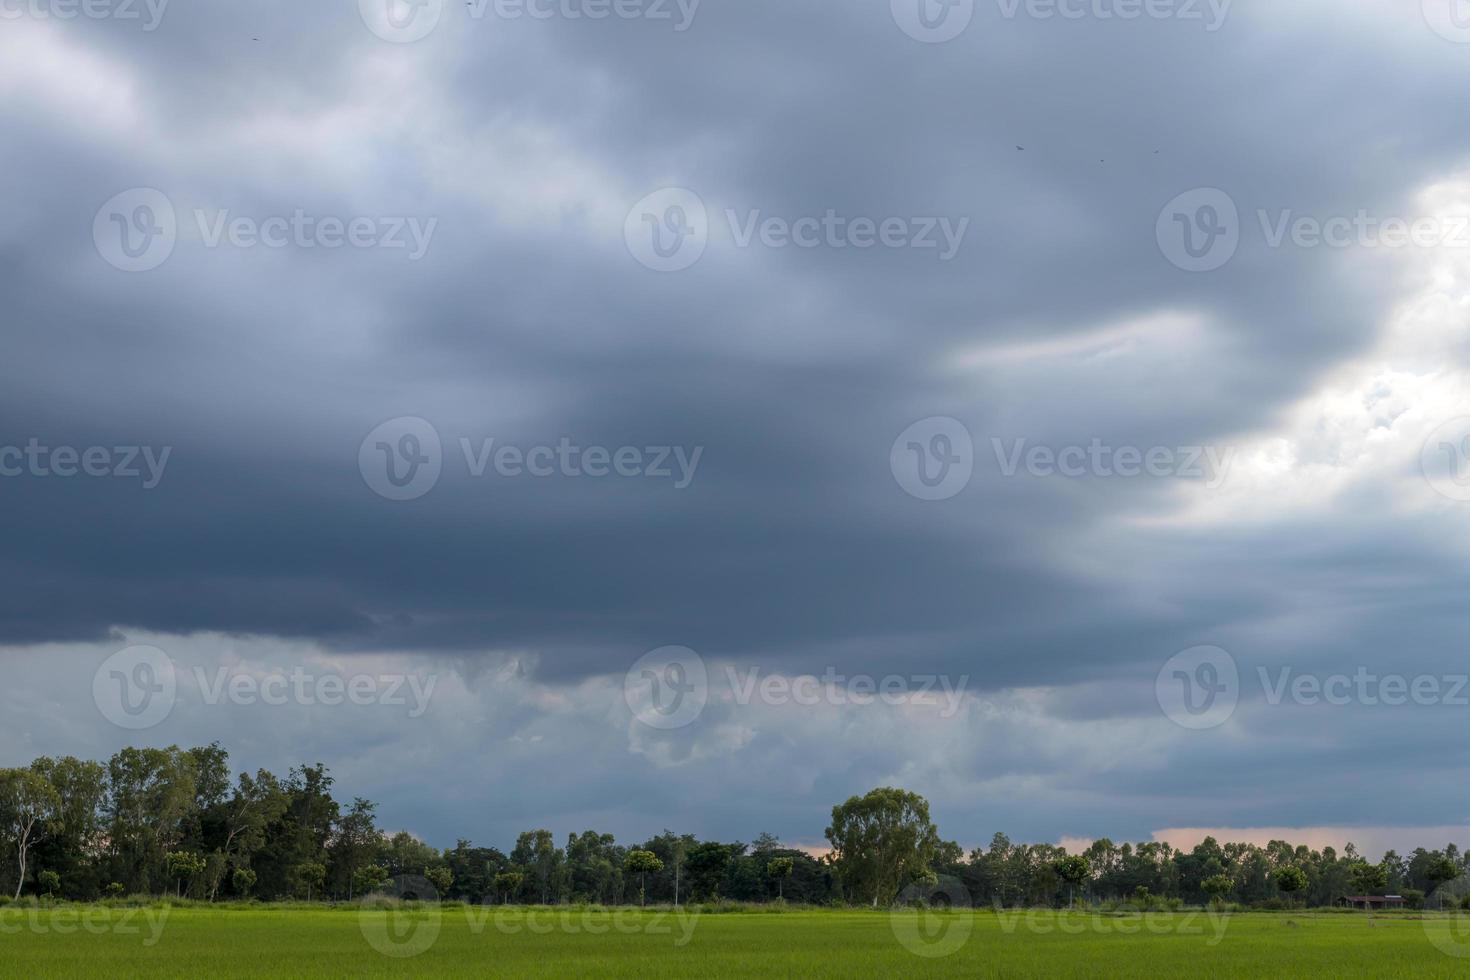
column 468, row 941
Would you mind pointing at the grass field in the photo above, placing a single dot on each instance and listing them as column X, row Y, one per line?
column 87, row 941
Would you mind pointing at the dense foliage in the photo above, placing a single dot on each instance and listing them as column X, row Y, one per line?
column 173, row 821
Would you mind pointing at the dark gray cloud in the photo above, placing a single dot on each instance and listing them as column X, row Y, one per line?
column 793, row 548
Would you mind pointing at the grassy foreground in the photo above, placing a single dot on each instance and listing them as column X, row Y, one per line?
column 92, row 941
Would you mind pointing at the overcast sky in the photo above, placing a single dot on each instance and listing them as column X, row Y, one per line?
column 1082, row 374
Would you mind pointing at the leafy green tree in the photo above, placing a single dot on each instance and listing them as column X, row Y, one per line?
column 357, row 844
column 306, row 832
column 1217, row 887
column 244, row 881
column 880, row 843
column 641, row 863
column 594, row 865
column 779, row 869
column 475, row 869
column 1207, row 860
column 29, row 807
column 671, row 849
column 1289, row 879
column 308, row 876
column 441, row 878
column 369, row 878
column 211, row 775
column 151, row 795
column 536, row 850
column 257, row 803
column 73, row 843
column 1441, row 870
column 707, row 864
column 184, row 866
column 507, row 883
column 1074, row 870
column 1367, row 879
column 765, row 845
column 50, row 882
column 405, row 854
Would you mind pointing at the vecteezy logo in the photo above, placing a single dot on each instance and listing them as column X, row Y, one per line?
column 933, row 21
column 135, row 231
column 922, row 929
column 398, row 931
column 668, row 230
column 401, row 459
column 1450, row 19
column 933, row 459
column 135, row 688
column 667, row 688
column 1199, row 230
column 1445, row 459
column 1198, row 688
column 401, row 21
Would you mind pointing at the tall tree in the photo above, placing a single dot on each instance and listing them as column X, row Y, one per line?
column 75, row 844
column 29, row 805
column 1441, row 870
column 185, row 866
column 537, row 851
column 643, row 863
column 302, row 833
column 308, row 877
column 1289, row 879
column 594, row 866
column 475, row 869
column 1074, row 870
column 357, row 844
column 779, row 869
column 881, row 842
column 707, row 864
column 507, row 883
column 152, row 797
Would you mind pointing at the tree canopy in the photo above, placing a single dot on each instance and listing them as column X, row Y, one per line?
column 177, row 821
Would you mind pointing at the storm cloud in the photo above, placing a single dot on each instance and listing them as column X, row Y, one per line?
column 417, row 260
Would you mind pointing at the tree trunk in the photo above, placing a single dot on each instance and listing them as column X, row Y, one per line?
column 22, row 879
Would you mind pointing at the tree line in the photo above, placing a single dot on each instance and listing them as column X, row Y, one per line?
column 176, row 822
